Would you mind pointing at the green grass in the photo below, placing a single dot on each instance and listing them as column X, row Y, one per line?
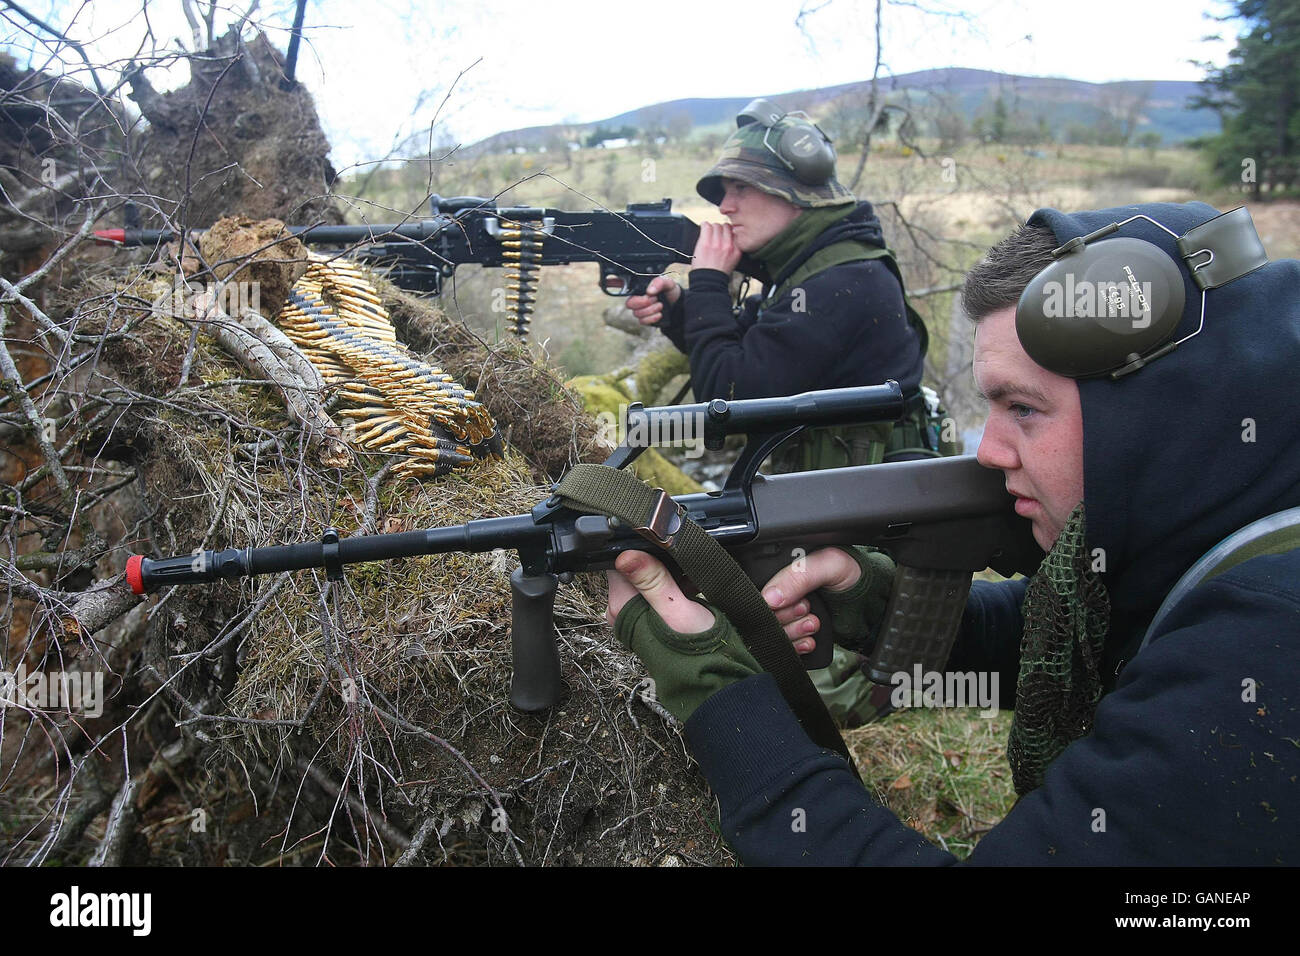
column 942, row 771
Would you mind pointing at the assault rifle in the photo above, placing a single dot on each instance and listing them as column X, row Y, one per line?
column 631, row 247
column 941, row 519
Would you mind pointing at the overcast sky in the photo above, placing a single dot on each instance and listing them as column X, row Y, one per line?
column 382, row 69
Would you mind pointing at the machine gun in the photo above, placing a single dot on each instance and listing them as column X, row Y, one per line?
column 941, row 519
column 631, row 247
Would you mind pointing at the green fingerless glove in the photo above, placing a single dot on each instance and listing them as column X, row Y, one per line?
column 856, row 614
column 687, row 668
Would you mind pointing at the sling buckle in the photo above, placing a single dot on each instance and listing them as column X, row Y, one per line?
column 665, row 520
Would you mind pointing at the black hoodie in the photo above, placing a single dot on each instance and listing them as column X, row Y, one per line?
column 1194, row 755
column 848, row 327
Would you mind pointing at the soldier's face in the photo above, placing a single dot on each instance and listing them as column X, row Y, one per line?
column 756, row 217
column 1034, row 430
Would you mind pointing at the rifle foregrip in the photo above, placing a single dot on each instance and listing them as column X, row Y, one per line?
column 536, row 683
column 921, row 622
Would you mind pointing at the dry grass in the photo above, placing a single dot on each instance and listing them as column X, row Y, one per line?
column 343, row 723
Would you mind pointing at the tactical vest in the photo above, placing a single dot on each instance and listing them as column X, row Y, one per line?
column 915, row 435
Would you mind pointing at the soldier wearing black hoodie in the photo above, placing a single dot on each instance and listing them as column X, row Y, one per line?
column 1173, row 743
column 831, row 315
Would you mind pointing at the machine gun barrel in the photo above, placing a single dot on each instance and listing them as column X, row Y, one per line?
column 631, row 247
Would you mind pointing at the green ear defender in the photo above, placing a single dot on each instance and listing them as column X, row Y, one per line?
column 1096, row 305
column 1108, row 308
column 795, row 140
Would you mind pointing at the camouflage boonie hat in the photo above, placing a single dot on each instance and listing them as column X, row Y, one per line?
column 745, row 158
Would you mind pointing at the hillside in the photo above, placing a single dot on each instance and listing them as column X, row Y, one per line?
column 1063, row 105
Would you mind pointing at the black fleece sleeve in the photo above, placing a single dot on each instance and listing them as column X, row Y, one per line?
column 991, row 628
column 845, row 326
column 672, row 321
column 1182, row 767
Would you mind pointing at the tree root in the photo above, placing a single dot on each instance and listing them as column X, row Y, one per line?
column 266, row 352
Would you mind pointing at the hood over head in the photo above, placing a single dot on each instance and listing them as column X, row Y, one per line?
column 1199, row 443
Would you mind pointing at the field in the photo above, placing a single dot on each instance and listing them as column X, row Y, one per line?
column 940, row 213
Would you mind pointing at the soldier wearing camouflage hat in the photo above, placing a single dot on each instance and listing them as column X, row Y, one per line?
column 832, row 313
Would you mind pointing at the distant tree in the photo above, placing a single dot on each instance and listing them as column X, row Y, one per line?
column 653, row 131
column 679, row 127
column 995, row 125
column 1150, row 141
column 999, row 124
column 1009, row 124
column 845, row 119
column 557, row 142
column 1256, row 97
column 949, row 123
column 1122, row 105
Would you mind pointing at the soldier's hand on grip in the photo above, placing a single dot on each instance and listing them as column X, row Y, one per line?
column 649, row 308
column 831, row 568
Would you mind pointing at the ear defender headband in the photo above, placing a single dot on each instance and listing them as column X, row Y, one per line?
column 1107, row 308
column 795, row 140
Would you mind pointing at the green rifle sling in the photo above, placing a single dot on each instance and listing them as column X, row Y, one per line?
column 600, row 489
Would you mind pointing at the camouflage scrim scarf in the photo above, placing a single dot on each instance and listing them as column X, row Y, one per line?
column 1066, row 613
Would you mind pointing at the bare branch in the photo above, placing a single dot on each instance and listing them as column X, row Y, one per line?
column 11, row 383
column 55, row 33
column 121, row 825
